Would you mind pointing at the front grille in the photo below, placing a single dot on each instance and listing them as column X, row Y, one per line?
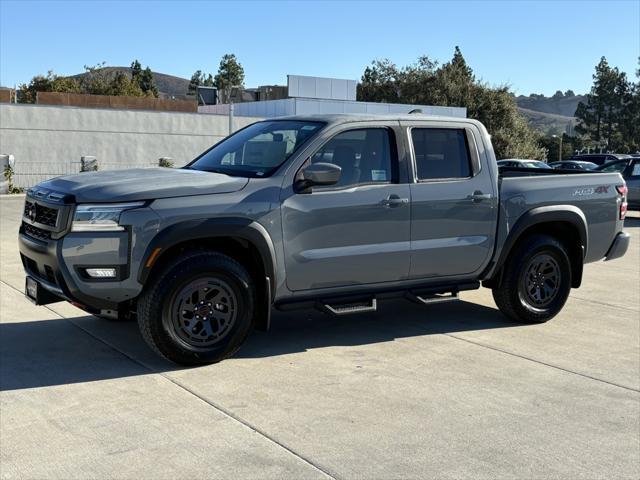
column 41, row 214
column 46, row 216
column 35, row 232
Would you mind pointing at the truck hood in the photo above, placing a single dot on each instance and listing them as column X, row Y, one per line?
column 142, row 184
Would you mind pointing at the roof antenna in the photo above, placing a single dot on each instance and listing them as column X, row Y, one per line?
column 415, row 110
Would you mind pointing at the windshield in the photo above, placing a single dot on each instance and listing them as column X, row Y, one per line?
column 258, row 150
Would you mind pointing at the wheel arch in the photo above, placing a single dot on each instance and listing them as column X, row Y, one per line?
column 243, row 239
column 565, row 223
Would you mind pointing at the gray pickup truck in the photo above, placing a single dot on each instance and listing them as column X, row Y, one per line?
column 335, row 212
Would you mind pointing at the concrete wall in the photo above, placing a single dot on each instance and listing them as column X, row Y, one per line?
column 48, row 141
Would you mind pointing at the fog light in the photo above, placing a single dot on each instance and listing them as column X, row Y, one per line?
column 101, row 272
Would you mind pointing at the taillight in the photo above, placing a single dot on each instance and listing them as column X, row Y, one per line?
column 622, row 191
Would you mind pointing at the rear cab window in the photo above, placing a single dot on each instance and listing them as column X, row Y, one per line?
column 441, row 153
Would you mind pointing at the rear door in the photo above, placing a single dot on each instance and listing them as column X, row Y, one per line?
column 454, row 200
column 357, row 231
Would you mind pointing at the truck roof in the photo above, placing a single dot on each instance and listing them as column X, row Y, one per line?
column 338, row 118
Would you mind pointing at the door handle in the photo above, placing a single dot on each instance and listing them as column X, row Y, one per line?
column 394, row 201
column 478, row 196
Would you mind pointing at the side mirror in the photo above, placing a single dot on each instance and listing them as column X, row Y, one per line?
column 321, row 174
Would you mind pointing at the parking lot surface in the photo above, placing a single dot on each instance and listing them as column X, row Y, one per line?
column 446, row 391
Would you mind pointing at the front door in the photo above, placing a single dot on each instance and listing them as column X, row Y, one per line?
column 357, row 231
column 454, row 202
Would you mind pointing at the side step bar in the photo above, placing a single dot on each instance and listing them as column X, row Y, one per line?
column 436, row 298
column 363, row 302
column 349, row 308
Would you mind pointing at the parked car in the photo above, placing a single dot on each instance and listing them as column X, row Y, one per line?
column 521, row 163
column 572, row 165
column 599, row 158
column 337, row 212
column 630, row 171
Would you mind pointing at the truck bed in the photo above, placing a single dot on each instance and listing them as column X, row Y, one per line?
column 594, row 194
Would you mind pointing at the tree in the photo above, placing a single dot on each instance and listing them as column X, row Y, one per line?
column 629, row 126
column 144, row 79
column 199, row 79
column 230, row 73
column 136, row 69
column 610, row 115
column 147, row 84
column 97, row 80
column 454, row 84
column 27, row 93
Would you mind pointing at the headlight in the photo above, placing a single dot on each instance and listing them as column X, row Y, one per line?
column 100, row 218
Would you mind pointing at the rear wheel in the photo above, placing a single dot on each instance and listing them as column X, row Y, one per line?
column 199, row 309
column 536, row 280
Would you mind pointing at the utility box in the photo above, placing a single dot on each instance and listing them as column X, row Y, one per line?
column 207, row 95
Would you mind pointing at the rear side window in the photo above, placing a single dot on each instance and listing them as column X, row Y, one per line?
column 364, row 155
column 441, row 153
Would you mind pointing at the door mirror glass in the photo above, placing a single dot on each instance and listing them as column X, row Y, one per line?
column 321, row 174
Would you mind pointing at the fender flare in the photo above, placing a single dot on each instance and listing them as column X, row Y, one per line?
column 236, row 227
column 539, row 215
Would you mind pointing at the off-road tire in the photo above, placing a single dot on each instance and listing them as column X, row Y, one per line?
column 157, row 303
column 511, row 296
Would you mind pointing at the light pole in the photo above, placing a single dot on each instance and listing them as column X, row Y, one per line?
column 559, row 146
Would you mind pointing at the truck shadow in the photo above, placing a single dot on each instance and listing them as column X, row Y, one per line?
column 294, row 332
column 85, row 349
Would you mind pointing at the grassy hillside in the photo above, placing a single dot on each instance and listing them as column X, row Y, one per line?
column 559, row 104
column 549, row 123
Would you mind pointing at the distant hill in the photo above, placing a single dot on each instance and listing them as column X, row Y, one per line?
column 549, row 123
column 564, row 104
column 551, row 115
column 168, row 85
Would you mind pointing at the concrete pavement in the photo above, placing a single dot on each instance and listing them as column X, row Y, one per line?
column 448, row 391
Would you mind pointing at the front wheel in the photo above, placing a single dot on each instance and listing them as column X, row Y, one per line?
column 198, row 310
column 536, row 281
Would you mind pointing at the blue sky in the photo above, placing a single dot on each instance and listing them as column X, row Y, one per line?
column 533, row 46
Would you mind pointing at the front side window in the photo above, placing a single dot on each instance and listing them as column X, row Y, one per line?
column 441, row 153
column 364, row 155
column 258, row 150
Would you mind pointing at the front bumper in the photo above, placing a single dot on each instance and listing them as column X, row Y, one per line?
column 58, row 258
column 45, row 262
column 619, row 246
